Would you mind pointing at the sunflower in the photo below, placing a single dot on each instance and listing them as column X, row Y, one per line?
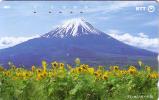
column 123, row 72
column 85, row 67
column 13, row 67
column 115, row 68
column 54, row 64
column 61, row 65
column 7, row 73
column 91, row 70
column 38, row 70
column 95, row 73
column 132, row 67
column 132, row 71
column 44, row 74
column 39, row 76
column 27, row 74
column 79, row 69
column 105, row 77
column 17, row 74
column 153, row 75
column 148, row 68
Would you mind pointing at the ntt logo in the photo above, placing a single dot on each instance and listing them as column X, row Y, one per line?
column 149, row 8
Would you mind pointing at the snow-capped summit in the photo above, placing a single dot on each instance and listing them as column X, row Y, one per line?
column 73, row 27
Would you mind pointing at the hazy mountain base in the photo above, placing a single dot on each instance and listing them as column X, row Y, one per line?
column 33, row 51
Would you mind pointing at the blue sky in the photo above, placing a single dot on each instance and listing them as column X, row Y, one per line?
column 119, row 19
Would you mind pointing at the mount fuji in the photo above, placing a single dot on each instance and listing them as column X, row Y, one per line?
column 76, row 38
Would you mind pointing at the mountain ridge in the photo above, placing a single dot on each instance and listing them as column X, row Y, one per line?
column 75, row 39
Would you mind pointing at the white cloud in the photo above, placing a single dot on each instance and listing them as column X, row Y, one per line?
column 113, row 31
column 6, row 42
column 141, row 41
column 143, row 35
column 6, row 7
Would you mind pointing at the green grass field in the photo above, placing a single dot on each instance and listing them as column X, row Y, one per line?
column 59, row 81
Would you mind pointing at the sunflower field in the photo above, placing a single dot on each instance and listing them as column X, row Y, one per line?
column 60, row 81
